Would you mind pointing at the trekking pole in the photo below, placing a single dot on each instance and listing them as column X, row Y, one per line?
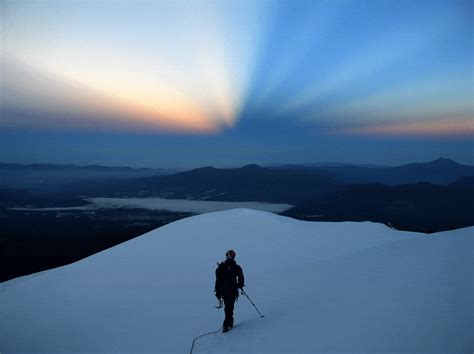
column 243, row 292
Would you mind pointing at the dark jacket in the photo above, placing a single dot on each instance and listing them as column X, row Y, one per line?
column 229, row 278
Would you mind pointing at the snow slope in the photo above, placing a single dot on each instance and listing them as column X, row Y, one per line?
column 323, row 287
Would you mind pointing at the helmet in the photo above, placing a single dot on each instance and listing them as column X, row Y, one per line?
column 230, row 254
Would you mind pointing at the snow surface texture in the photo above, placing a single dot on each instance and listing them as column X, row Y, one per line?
column 323, row 287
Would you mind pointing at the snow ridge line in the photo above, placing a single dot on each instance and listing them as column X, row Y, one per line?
column 202, row 335
column 4, row 286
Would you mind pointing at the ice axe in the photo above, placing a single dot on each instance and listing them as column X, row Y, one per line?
column 219, row 306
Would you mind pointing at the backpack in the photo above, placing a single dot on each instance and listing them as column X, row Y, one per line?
column 228, row 277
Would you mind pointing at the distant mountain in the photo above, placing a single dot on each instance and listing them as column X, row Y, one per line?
column 47, row 166
column 293, row 184
column 248, row 183
column 464, row 182
column 50, row 176
column 440, row 171
column 418, row 207
column 324, row 164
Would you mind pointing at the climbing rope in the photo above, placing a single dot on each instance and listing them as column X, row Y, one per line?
column 202, row 335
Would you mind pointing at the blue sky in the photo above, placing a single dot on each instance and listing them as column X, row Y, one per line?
column 190, row 83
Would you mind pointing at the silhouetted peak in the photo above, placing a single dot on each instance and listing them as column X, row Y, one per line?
column 444, row 162
column 252, row 167
column 206, row 168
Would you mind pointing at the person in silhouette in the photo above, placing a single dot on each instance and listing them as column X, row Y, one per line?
column 229, row 279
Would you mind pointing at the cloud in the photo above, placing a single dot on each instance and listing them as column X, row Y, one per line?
column 162, row 66
column 447, row 127
column 32, row 97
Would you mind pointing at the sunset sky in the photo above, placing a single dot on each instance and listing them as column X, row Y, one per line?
column 192, row 83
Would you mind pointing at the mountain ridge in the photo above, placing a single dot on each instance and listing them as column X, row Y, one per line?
column 43, row 166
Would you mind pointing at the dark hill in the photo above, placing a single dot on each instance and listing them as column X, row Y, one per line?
column 440, row 171
column 248, row 183
column 417, row 207
column 49, row 167
column 464, row 182
column 50, row 177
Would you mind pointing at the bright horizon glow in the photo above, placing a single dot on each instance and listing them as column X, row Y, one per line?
column 178, row 67
column 174, row 74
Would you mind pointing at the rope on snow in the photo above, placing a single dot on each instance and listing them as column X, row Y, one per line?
column 202, row 335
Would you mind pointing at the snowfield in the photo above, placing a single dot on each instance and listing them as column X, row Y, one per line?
column 323, row 287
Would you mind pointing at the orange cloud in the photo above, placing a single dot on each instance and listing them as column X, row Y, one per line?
column 64, row 103
column 446, row 127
